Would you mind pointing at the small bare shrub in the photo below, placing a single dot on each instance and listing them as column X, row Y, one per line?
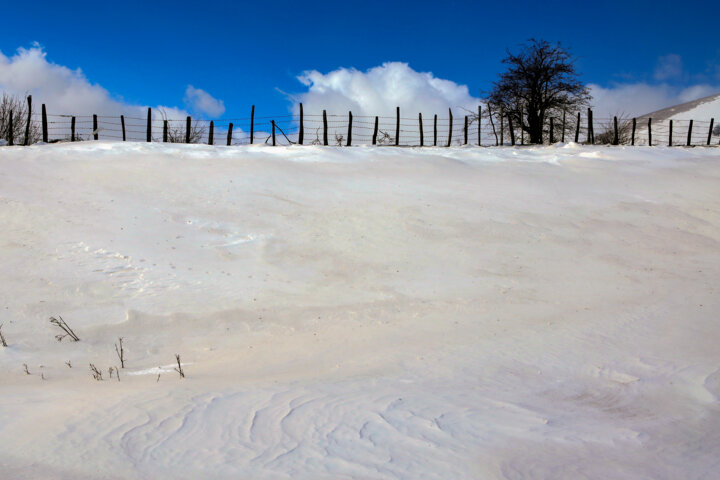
column 60, row 323
column 2, row 337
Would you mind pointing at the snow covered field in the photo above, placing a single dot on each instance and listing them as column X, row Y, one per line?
column 516, row 313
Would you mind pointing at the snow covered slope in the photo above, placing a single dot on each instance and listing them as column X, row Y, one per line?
column 701, row 109
column 516, row 313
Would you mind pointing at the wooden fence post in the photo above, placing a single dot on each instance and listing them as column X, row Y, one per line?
column 375, row 132
column 577, row 129
column 435, row 131
column 502, row 129
column 465, row 131
column 616, row 138
column 450, row 128
column 552, row 128
column 689, row 139
column 44, row 124
column 522, row 130
column 229, row 135
column 188, row 127
column 273, row 131
column 422, row 138
column 650, row 131
column 29, row 120
column 492, row 124
column 591, row 129
column 479, row 125
column 122, row 123
column 563, row 128
column 149, row 125
column 96, row 134
column 11, row 137
column 72, row 129
column 712, row 121
column 211, row 133
column 512, row 132
column 670, row 134
column 632, row 141
column 301, row 134
column 252, row 124
column 397, row 126
column 165, row 130
column 349, row 135
column 325, row 139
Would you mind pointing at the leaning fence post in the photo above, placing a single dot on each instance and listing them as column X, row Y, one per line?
column 165, row 130
column 465, row 131
column 122, row 123
column 44, row 124
column 211, row 133
column 435, row 131
column 149, row 125
column 188, row 126
column 229, row 135
column 252, row 124
column 670, row 134
column 325, row 139
column 512, row 132
column 29, row 119
column 349, row 135
column 375, row 132
column 689, row 139
column 72, row 129
column 712, row 121
column 96, row 134
column 422, row 138
column 301, row 134
column 616, row 138
column 552, row 128
column 450, row 128
column 632, row 141
column 397, row 126
column 577, row 129
column 10, row 139
column 273, row 131
column 562, row 139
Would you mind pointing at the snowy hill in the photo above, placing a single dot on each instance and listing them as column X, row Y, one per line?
column 701, row 109
column 366, row 313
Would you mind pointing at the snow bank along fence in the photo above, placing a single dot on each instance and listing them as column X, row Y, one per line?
column 484, row 128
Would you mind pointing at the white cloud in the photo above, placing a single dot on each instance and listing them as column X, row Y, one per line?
column 641, row 98
column 69, row 92
column 200, row 101
column 379, row 90
column 668, row 67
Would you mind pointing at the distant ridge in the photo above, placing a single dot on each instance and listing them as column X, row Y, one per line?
column 702, row 108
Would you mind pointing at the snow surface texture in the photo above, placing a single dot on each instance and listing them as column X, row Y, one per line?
column 516, row 313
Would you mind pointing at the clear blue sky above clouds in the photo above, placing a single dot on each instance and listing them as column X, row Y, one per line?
column 250, row 52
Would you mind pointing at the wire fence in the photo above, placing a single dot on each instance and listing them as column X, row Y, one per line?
column 481, row 128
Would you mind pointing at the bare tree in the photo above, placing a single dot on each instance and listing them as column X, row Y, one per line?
column 540, row 80
column 19, row 108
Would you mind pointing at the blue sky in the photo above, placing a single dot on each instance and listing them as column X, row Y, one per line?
column 147, row 53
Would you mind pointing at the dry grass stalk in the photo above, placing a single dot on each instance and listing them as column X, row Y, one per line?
column 120, row 352
column 25, row 367
column 179, row 368
column 60, row 323
column 2, row 337
column 97, row 374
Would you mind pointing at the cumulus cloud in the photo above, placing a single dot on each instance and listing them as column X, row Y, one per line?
column 200, row 101
column 378, row 90
column 640, row 98
column 67, row 91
